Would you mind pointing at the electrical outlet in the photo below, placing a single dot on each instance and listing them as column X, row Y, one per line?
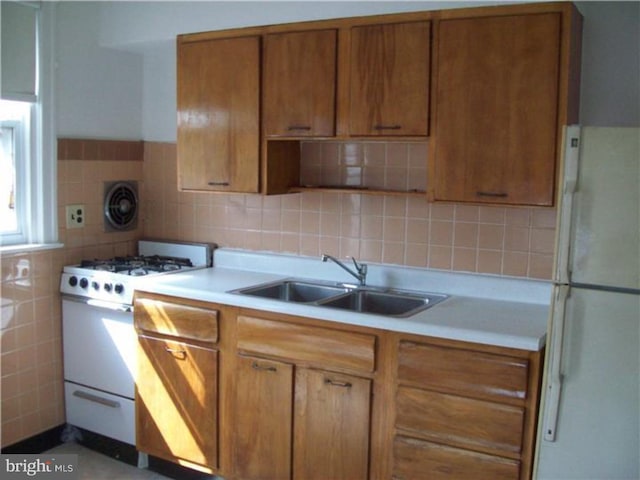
column 75, row 216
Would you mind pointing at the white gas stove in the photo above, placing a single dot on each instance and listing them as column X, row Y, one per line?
column 99, row 338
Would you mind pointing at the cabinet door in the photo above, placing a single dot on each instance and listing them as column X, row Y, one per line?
column 176, row 401
column 331, row 426
column 262, row 428
column 218, row 114
column 496, row 109
column 300, row 83
column 390, row 79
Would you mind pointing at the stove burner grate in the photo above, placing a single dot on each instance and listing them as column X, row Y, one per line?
column 138, row 265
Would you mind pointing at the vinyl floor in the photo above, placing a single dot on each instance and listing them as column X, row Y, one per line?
column 96, row 466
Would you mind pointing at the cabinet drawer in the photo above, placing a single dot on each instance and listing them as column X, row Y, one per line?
column 418, row 460
column 470, row 423
column 317, row 346
column 176, row 319
column 465, row 372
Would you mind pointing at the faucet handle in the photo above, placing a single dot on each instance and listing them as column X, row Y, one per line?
column 360, row 267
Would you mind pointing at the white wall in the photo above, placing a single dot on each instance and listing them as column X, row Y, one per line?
column 98, row 90
column 134, row 24
column 118, row 58
column 610, row 89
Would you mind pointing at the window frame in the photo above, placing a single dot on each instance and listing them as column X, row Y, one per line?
column 40, row 203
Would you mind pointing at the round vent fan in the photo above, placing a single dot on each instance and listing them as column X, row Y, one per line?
column 121, row 206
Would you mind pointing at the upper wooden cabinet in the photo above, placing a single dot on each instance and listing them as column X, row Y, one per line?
column 300, row 83
column 490, row 87
column 499, row 105
column 389, row 80
column 218, row 114
column 383, row 67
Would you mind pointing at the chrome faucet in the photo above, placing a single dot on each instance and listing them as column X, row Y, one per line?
column 361, row 269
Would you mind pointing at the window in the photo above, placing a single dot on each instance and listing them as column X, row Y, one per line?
column 28, row 204
column 14, row 135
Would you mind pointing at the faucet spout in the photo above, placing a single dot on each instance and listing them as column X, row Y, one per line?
column 360, row 272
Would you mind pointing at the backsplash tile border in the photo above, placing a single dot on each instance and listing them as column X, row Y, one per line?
column 91, row 149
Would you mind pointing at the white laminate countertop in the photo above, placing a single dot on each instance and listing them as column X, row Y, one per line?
column 483, row 309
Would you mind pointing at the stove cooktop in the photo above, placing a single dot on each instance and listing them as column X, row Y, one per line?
column 137, row 265
column 114, row 279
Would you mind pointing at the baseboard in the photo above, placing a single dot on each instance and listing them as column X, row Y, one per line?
column 38, row 443
column 110, row 447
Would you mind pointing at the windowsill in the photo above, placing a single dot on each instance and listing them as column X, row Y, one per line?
column 30, row 247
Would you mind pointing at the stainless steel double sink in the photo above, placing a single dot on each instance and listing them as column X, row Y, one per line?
column 363, row 299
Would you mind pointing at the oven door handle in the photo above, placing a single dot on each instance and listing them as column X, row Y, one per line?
column 118, row 307
column 96, row 399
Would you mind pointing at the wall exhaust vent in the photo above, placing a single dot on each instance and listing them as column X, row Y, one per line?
column 120, row 206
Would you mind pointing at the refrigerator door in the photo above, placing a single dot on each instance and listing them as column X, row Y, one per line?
column 597, row 433
column 605, row 244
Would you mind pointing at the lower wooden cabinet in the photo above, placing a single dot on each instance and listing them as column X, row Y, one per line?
column 303, row 414
column 331, row 426
column 176, row 401
column 464, row 411
column 262, row 421
column 177, row 380
column 252, row 395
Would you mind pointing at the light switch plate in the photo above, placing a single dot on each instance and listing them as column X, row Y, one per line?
column 75, row 216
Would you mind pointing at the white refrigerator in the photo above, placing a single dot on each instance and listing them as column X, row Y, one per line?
column 589, row 426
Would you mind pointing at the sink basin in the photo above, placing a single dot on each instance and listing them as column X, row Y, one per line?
column 371, row 300
column 294, row 291
column 396, row 304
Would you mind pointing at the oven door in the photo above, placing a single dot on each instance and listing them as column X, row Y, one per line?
column 99, row 345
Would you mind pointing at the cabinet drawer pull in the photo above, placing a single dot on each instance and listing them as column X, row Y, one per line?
column 387, row 127
column 175, row 351
column 218, row 184
column 492, row 194
column 337, row 383
column 299, row 127
column 266, row 368
column 96, row 399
